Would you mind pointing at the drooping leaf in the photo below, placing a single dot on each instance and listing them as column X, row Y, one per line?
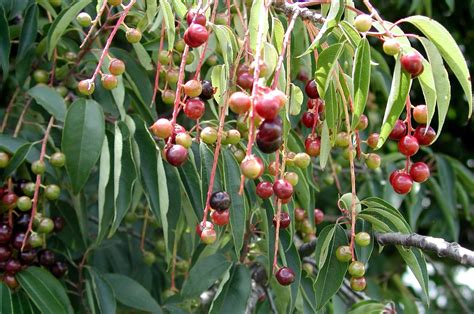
column 325, row 145
column 322, row 245
column 28, row 31
column 104, row 293
column 296, row 99
column 4, row 43
column 258, row 19
column 50, row 100
column 428, row 86
column 361, row 77
column 44, row 290
column 192, row 184
column 327, row 62
column 17, row 159
column 367, row 306
column 83, row 136
column 105, row 219
column 168, row 17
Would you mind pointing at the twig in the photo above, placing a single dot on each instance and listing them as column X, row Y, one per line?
column 9, row 109
column 289, row 9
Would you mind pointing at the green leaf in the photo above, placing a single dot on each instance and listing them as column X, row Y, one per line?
column 322, row 245
column 257, row 19
column 61, row 23
column 219, row 81
column 327, row 62
column 325, row 145
column 203, row 274
column 332, row 108
column 83, row 136
column 143, row 57
column 28, row 31
column 350, row 33
column 441, row 81
column 4, row 43
column 151, row 9
column 14, row 303
column 448, row 48
column 50, row 100
column 130, row 293
column 278, row 34
column 293, row 261
column 44, row 290
column 449, row 212
column 361, row 77
column 17, row 159
column 428, row 86
column 396, row 102
column 192, row 184
column 296, row 99
column 105, row 219
column 331, row 275
column 235, row 293
column 179, row 8
column 168, row 17
column 104, row 293
column 367, row 307
column 238, row 212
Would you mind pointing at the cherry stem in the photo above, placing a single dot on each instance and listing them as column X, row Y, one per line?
column 94, row 23
column 38, row 182
column 9, row 109
column 277, row 236
column 158, row 66
column 105, row 51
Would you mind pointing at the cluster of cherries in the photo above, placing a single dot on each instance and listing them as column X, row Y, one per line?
column 16, row 253
column 220, row 205
column 356, row 268
column 196, row 34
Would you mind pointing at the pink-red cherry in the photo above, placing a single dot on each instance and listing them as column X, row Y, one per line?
column 408, row 145
column 220, row 218
column 412, row 62
column 200, row 227
column 420, row 172
column 239, row 102
column 313, row 146
column 285, row 276
column 308, row 119
column 424, row 136
column 399, row 130
column 176, row 155
column 282, row 189
column 193, row 17
column 195, row 35
column 267, row 106
column 245, row 80
column 5, row 233
column 285, row 220
column 264, row 189
column 194, row 108
column 311, row 89
column 318, row 216
column 402, row 183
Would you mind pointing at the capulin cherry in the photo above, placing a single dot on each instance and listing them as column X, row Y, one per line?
column 5, row 253
column 343, row 253
column 252, row 167
column 398, row 131
column 220, row 218
column 220, row 201
column 282, row 189
column 269, row 135
column 412, row 62
column 239, row 102
column 311, row 89
column 5, row 233
column 420, row 114
column 300, row 214
column 162, row 128
column 10, row 281
column 208, row 236
column 313, row 146
column 308, row 119
column 207, row 90
column 402, row 182
column 12, row 266
column 116, row 67
column 201, row 226
column 194, row 108
column 194, row 17
column 358, row 284
column 46, row 258
column 195, row 35
column 264, row 189
column 408, row 145
column 59, row 269
column 176, row 155
column 285, row 276
column 285, row 220
column 267, row 106
column 373, row 140
column 245, row 80
column 425, row 136
column 193, row 88
column 420, row 172
column 318, row 216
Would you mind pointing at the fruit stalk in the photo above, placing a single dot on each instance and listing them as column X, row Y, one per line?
column 94, row 23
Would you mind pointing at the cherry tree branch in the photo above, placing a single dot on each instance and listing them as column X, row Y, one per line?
column 291, row 9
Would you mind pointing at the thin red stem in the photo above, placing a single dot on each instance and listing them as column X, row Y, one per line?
column 283, row 49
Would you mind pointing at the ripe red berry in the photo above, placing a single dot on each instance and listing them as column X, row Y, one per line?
column 282, row 189
column 280, row 96
column 252, row 167
column 18, row 239
column 285, row 276
column 424, row 136
column 220, row 201
column 269, row 135
column 245, row 80
column 420, row 172
column 176, row 155
column 318, row 216
column 162, row 128
column 5, row 253
column 194, row 108
column 59, row 269
column 313, row 146
column 200, row 227
column 195, row 35
column 401, row 182
column 207, row 90
column 412, row 62
column 399, row 130
column 13, row 266
column 264, row 189
column 46, row 258
column 408, row 145
column 308, row 119
column 267, row 106
column 311, row 89
column 9, row 200
column 363, row 123
column 420, row 114
column 284, row 220
column 193, row 17
column 239, row 102
column 220, row 218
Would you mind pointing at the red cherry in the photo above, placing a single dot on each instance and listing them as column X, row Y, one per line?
column 284, row 220
column 5, row 233
column 420, row 172
column 399, row 130
column 239, row 102
column 220, row 218
column 408, row 145
column 5, row 253
column 9, row 200
column 282, row 189
column 162, row 128
column 245, row 80
column 285, row 276
column 313, row 146
column 425, row 137
column 10, row 281
column 264, row 189
column 267, row 106
column 176, row 155
column 208, row 236
column 373, row 140
column 269, row 134
column 195, row 35
column 308, row 119
column 393, row 174
column 200, row 227
column 318, row 216
column 402, row 183
column 280, row 96
column 420, row 114
column 286, row 200
column 412, row 62
column 194, row 108
column 13, row 266
column 193, row 17
column 311, row 89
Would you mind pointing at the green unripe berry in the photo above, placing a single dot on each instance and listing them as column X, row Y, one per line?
column 24, row 203
column 133, row 35
column 57, row 159
column 70, row 56
column 86, row 87
column 233, row 137
column 391, row 47
column 41, row 76
column 172, row 76
column 343, row 253
column 179, row 45
column 168, row 97
column 4, row 160
column 130, row 218
column 358, row 284
column 52, row 192
column 356, row 269
column 345, row 202
column 29, row 189
column 373, row 161
column 160, row 246
column 35, row 240
column 114, row 2
column 164, row 57
column 239, row 155
column 302, row 160
column 184, row 139
column 292, row 178
column 209, row 135
column 46, row 225
column 149, row 258
column 212, row 60
column 342, row 140
column 363, row 23
column 84, row 19
column 362, row 239
column 55, row 3
column 38, row 167
column 62, row 90
column 189, row 58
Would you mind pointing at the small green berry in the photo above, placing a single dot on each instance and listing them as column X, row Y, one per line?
column 4, row 160
column 343, row 253
column 356, row 269
column 38, row 167
column 363, row 23
column 86, row 87
column 133, row 35
column 149, row 258
column 52, row 192
column 24, row 203
column 29, row 189
column 57, row 159
column 209, row 135
column 84, row 19
column 41, row 76
column 362, row 239
column 46, row 225
column 35, row 240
